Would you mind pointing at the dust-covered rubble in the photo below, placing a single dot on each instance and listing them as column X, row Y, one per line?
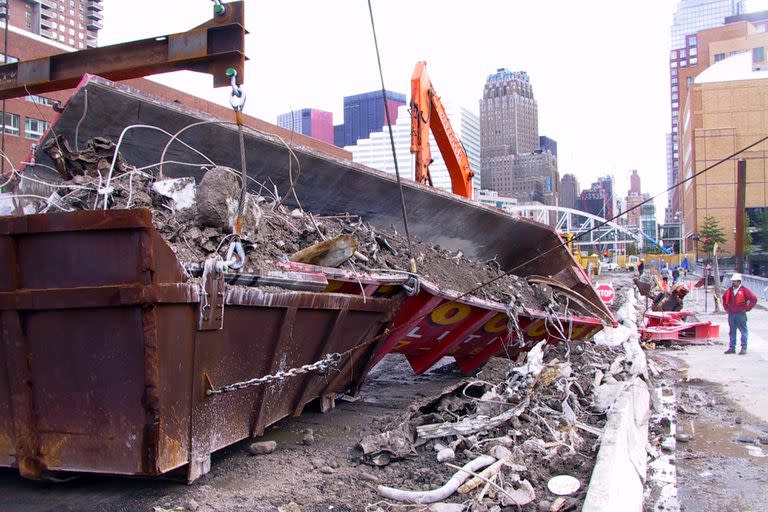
column 197, row 222
column 518, row 425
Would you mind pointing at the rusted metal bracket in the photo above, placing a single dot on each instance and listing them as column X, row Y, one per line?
column 211, row 48
column 212, row 300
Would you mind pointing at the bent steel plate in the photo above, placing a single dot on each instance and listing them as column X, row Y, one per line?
column 324, row 183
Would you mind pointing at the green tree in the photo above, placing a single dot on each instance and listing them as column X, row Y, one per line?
column 748, row 246
column 711, row 232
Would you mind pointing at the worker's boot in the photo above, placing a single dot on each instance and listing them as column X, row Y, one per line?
column 743, row 352
column 730, row 351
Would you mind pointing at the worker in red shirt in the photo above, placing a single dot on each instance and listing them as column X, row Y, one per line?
column 737, row 300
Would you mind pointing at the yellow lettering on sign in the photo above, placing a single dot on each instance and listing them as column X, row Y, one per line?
column 402, row 344
column 579, row 330
column 496, row 324
column 385, row 290
column 450, row 313
column 537, row 329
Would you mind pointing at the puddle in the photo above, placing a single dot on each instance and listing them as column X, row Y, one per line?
column 717, row 473
column 712, row 438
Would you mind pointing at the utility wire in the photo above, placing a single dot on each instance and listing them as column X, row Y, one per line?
column 558, row 246
column 392, row 142
column 5, row 61
column 464, row 294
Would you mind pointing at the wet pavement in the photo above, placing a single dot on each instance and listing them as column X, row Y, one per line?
column 721, row 454
column 724, row 467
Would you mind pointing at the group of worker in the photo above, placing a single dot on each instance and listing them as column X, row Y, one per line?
column 674, row 274
column 737, row 301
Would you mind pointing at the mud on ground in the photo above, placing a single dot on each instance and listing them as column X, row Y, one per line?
column 721, row 449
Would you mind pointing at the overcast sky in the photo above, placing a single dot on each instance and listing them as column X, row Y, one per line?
column 599, row 68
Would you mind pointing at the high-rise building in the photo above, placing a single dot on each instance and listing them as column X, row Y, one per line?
column 365, row 113
column 634, row 199
column 509, row 122
column 309, row 121
column 569, row 191
column 685, row 54
column 700, row 50
column 514, row 158
column 75, row 23
column 598, row 199
column 547, row 144
column 726, row 109
column 694, row 15
column 376, row 151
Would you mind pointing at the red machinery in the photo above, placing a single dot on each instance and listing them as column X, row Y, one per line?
column 428, row 113
column 677, row 326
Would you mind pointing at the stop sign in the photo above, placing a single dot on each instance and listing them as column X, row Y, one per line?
column 606, row 292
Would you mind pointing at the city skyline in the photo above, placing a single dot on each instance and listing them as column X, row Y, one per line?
column 604, row 95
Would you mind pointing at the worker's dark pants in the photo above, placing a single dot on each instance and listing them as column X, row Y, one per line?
column 738, row 321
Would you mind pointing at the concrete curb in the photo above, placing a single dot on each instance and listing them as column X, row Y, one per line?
column 617, row 482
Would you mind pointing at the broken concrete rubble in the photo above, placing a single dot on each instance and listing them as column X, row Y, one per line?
column 536, row 419
column 271, row 231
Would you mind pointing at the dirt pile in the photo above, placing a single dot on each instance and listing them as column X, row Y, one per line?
column 201, row 226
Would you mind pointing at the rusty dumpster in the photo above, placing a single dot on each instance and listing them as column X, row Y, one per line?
column 323, row 182
column 115, row 361
column 118, row 361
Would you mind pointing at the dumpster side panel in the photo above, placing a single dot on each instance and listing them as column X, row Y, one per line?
column 303, row 345
column 350, row 373
column 176, row 329
column 45, row 255
column 242, row 352
column 7, row 442
column 88, row 390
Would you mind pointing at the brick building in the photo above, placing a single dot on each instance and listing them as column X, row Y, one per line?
column 724, row 112
column 75, row 23
column 697, row 24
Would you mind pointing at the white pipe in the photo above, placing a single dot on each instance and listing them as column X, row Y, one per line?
column 440, row 493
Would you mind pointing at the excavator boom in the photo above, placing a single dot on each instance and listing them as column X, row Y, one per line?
column 427, row 112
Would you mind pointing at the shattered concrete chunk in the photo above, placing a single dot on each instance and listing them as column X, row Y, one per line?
column 179, row 192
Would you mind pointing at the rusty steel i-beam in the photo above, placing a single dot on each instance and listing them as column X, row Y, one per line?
column 211, row 48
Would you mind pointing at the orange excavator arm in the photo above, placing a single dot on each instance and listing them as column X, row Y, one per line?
column 427, row 112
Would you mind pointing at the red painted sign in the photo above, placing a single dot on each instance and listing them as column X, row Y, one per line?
column 606, row 292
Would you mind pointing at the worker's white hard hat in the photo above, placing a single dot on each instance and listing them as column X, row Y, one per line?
column 736, row 277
